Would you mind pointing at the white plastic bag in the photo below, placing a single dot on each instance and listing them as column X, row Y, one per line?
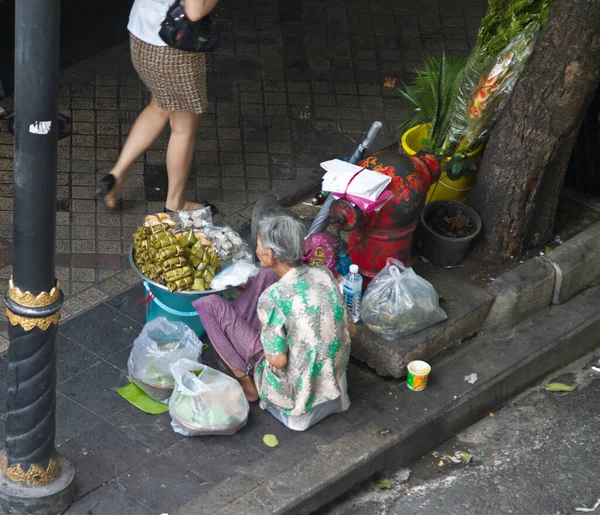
column 398, row 302
column 210, row 403
column 160, row 344
column 235, row 274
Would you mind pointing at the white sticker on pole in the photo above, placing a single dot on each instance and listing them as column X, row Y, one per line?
column 40, row 127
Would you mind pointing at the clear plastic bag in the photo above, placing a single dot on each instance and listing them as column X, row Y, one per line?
column 398, row 302
column 192, row 219
column 182, row 220
column 236, row 274
column 160, row 344
column 229, row 245
column 210, row 403
column 494, row 89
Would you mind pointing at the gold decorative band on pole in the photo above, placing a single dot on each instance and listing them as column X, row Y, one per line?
column 29, row 323
column 36, row 475
column 30, row 300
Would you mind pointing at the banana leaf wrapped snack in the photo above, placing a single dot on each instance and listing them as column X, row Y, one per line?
column 184, row 261
column 169, row 252
column 180, row 284
column 164, row 239
column 177, row 273
column 174, row 262
column 187, row 238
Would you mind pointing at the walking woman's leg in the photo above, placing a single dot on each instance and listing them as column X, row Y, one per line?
column 145, row 131
column 180, row 154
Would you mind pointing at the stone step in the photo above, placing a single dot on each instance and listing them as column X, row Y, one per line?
column 466, row 305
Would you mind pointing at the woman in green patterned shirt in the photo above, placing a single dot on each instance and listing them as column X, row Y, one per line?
column 287, row 336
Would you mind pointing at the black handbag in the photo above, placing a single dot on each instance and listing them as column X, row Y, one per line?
column 179, row 32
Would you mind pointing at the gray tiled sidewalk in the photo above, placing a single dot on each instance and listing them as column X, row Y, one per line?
column 129, row 463
column 293, row 83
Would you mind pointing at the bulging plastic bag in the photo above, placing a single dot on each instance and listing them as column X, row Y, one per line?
column 236, row 274
column 160, row 344
column 398, row 302
column 229, row 245
column 210, row 403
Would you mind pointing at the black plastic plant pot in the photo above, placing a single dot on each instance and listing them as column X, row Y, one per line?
column 444, row 250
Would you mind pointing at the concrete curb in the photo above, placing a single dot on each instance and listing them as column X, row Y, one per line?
column 576, row 264
column 505, row 367
column 543, row 281
column 520, row 293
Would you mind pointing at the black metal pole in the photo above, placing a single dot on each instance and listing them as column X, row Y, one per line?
column 33, row 478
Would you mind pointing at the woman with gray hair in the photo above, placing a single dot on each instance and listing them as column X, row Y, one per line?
column 287, row 336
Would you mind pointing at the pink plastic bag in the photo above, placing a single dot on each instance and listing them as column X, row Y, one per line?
column 327, row 244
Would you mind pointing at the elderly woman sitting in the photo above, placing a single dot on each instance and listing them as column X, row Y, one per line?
column 287, row 336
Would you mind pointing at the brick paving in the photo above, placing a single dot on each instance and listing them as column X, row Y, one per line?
column 293, row 83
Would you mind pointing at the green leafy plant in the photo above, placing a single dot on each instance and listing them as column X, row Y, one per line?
column 460, row 165
column 431, row 93
column 505, row 19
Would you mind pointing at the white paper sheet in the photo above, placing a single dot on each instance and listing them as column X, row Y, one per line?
column 343, row 177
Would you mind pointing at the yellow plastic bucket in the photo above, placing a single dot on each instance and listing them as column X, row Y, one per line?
column 444, row 189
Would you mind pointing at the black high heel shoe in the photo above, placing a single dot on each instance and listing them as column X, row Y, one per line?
column 107, row 191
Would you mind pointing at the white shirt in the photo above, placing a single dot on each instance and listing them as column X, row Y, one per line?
column 145, row 19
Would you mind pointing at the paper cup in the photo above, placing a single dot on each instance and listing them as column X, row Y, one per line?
column 418, row 372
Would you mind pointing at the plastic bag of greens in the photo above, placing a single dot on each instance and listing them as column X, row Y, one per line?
column 398, row 302
column 206, row 401
column 160, row 344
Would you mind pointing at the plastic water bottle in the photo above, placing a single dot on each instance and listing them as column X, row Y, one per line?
column 353, row 291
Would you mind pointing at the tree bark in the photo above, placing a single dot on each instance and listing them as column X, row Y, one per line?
column 522, row 172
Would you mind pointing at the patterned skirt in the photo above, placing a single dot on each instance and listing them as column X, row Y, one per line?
column 177, row 79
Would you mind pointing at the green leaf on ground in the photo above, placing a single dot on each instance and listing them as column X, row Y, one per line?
column 384, row 484
column 204, row 347
column 270, row 441
column 141, row 401
column 560, row 387
column 466, row 457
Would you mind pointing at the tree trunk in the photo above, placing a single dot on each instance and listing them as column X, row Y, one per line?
column 522, row 172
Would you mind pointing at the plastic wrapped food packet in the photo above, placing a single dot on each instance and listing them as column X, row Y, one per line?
column 192, row 219
column 228, row 243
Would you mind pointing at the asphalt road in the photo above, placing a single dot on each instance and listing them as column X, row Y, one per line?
column 539, row 454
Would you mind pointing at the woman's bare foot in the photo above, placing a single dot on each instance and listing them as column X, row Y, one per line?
column 249, row 388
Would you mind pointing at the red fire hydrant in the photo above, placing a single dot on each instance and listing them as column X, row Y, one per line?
column 388, row 231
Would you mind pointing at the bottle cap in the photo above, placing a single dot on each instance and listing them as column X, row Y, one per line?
column 353, row 269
